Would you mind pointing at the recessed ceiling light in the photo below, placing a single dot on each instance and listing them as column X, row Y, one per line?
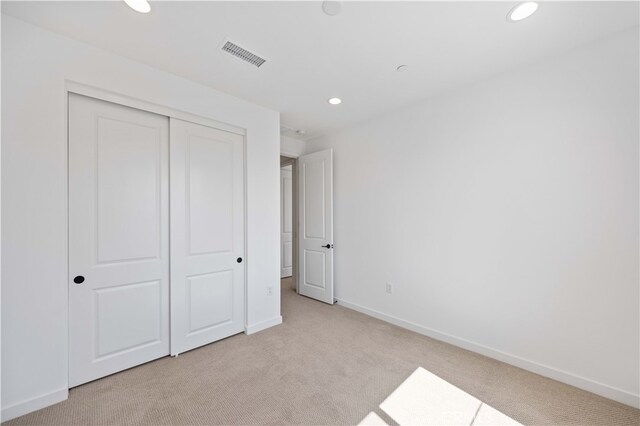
column 402, row 68
column 141, row 6
column 331, row 7
column 335, row 101
column 522, row 11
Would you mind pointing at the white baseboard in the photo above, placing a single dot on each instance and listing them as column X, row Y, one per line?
column 589, row 385
column 25, row 407
column 286, row 273
column 263, row 325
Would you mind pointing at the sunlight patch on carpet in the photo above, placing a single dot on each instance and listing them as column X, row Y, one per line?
column 426, row 399
column 372, row 419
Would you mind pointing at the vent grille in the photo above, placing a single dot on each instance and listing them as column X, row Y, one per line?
column 245, row 55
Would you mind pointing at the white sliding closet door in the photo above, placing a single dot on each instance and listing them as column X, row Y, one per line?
column 207, row 235
column 118, row 238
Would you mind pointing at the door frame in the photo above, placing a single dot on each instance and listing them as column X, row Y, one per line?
column 287, row 159
column 288, row 168
column 75, row 87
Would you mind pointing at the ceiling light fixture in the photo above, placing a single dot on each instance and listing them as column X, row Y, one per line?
column 332, row 7
column 141, row 6
column 335, row 101
column 522, row 11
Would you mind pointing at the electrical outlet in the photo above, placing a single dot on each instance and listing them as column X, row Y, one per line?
column 269, row 291
column 389, row 288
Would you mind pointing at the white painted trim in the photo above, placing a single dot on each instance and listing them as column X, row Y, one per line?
column 29, row 405
column 544, row 370
column 296, row 219
column 263, row 325
column 289, row 154
column 117, row 98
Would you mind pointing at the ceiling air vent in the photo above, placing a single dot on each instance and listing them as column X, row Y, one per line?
column 245, row 55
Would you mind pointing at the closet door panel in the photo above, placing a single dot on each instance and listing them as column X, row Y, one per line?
column 118, row 238
column 207, row 235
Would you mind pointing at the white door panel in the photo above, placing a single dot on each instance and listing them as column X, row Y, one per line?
column 315, row 177
column 210, row 196
column 142, row 298
column 286, row 222
column 127, row 190
column 118, row 238
column 207, row 235
column 314, row 211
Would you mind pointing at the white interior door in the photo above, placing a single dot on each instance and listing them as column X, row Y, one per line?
column 118, row 238
column 315, row 183
column 207, row 235
column 286, row 222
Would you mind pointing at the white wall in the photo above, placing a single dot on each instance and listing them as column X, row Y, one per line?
column 291, row 147
column 506, row 216
column 35, row 64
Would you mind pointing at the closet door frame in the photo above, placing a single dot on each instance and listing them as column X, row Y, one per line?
column 127, row 101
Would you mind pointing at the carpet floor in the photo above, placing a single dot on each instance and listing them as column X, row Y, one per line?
column 324, row 365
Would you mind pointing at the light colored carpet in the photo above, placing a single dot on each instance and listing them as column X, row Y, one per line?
column 323, row 365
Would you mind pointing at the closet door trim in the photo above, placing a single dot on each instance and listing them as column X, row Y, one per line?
column 117, row 98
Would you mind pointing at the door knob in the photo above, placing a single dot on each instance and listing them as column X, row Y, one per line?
column 79, row 279
column 239, row 260
column 328, row 246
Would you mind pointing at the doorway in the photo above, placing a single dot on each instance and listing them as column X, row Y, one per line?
column 288, row 224
column 309, row 233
